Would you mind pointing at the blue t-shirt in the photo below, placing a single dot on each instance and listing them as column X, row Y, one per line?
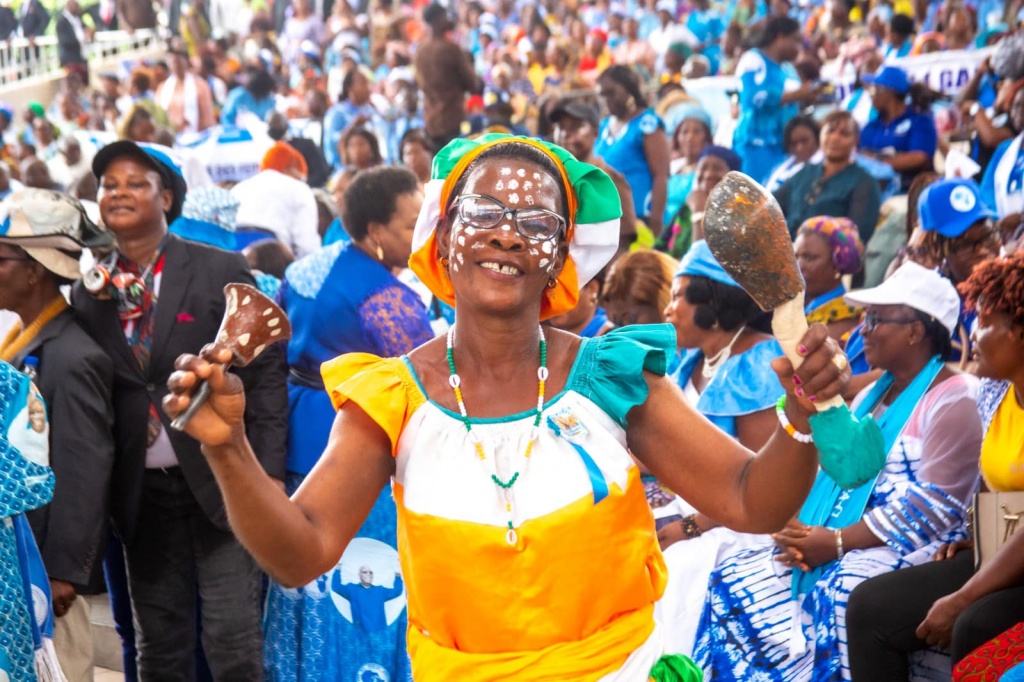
column 625, row 153
column 239, row 100
column 911, row 132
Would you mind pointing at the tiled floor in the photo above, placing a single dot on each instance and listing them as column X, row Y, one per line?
column 104, row 675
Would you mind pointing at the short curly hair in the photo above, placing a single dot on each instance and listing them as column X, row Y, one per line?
column 643, row 277
column 997, row 286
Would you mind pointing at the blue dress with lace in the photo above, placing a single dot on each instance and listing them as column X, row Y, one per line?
column 339, row 300
column 744, row 384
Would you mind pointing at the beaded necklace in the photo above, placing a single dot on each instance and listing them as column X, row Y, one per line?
column 504, row 487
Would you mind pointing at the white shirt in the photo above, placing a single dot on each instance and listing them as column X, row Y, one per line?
column 282, row 205
column 663, row 38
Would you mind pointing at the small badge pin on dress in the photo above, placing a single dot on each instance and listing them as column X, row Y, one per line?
column 569, row 425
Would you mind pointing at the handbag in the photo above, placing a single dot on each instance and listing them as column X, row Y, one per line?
column 996, row 519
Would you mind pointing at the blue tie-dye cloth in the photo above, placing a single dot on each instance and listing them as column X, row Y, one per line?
column 26, row 483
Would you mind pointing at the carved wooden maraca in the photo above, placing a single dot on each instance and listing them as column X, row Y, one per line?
column 251, row 323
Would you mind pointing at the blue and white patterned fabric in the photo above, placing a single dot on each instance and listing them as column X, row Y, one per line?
column 753, row 629
column 340, row 300
column 208, row 217
column 26, row 483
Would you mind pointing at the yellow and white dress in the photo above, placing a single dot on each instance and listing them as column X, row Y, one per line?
column 572, row 598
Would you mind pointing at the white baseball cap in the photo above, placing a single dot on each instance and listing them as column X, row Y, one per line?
column 917, row 287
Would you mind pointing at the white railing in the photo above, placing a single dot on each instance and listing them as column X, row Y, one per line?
column 21, row 59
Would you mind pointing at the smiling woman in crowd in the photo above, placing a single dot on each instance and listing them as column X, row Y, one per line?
column 508, row 441
column 945, row 602
column 781, row 606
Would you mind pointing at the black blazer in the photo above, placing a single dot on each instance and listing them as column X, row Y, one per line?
column 8, row 23
column 69, row 50
column 188, row 316
column 34, row 21
column 76, row 379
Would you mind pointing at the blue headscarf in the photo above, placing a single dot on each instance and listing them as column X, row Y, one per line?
column 700, row 262
column 731, row 158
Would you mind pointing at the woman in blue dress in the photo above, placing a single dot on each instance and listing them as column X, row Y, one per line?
column 632, row 140
column 725, row 372
column 770, row 92
column 352, row 110
column 343, row 299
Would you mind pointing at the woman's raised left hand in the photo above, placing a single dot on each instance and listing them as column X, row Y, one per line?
column 823, row 374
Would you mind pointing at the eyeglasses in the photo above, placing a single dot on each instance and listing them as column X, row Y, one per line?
column 872, row 320
column 484, row 212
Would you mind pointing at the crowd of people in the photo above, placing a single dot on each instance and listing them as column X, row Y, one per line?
column 439, row 196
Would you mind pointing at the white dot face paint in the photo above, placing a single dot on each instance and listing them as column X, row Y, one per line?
column 470, row 231
column 506, row 228
column 536, row 176
column 527, row 185
column 513, row 198
column 477, row 245
column 458, row 257
column 512, row 184
column 546, row 247
column 544, row 262
column 506, row 172
column 521, row 173
column 501, row 185
column 534, row 252
column 462, row 240
column 528, row 199
column 455, row 267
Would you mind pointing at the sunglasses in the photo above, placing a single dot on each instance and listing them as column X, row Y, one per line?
column 871, row 321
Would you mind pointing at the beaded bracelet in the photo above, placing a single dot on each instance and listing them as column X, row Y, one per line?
column 690, row 528
column 798, row 436
column 839, row 544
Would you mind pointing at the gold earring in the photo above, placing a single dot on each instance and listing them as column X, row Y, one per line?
column 380, row 253
column 552, row 283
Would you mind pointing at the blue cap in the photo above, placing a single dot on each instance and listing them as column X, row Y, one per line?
column 892, row 77
column 159, row 158
column 950, row 207
column 700, row 262
column 731, row 158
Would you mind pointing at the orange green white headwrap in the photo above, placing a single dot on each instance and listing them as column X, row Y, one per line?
column 593, row 227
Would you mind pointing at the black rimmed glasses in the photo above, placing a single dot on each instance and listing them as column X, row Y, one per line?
column 871, row 320
column 483, row 212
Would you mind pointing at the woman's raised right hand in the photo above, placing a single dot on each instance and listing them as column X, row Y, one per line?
column 220, row 421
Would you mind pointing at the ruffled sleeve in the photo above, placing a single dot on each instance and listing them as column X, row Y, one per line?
column 745, row 384
column 382, row 387
column 611, row 367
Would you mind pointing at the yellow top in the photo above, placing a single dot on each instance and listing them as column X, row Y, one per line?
column 1002, row 452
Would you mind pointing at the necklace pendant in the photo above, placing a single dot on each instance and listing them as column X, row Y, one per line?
column 510, row 537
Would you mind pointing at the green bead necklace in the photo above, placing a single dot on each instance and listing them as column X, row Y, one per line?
column 505, row 487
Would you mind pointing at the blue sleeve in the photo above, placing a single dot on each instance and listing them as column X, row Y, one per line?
column 754, row 95
column 988, row 181
column 395, row 321
column 334, row 124
column 26, row 483
column 395, row 591
column 923, row 137
column 230, row 111
column 610, row 369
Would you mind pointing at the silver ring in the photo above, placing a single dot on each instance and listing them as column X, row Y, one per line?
column 840, row 361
